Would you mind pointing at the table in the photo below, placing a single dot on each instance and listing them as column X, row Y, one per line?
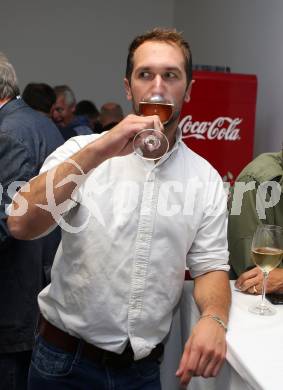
column 254, row 347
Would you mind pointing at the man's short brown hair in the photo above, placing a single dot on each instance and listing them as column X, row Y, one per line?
column 161, row 35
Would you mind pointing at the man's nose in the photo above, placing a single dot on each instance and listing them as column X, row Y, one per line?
column 55, row 115
column 158, row 84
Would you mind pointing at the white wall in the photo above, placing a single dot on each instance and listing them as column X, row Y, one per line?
column 79, row 43
column 248, row 36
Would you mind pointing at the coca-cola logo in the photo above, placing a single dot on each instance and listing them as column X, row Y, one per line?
column 221, row 128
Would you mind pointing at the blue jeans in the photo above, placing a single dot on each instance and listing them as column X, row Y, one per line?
column 54, row 369
column 14, row 370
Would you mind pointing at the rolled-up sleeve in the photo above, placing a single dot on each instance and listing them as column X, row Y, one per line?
column 209, row 250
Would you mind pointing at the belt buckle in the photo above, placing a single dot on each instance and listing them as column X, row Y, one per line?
column 115, row 360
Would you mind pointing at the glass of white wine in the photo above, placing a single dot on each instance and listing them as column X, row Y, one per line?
column 267, row 254
column 152, row 144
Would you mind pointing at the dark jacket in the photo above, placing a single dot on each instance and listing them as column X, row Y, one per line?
column 27, row 137
column 79, row 126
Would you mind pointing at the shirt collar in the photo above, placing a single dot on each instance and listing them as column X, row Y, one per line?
column 178, row 139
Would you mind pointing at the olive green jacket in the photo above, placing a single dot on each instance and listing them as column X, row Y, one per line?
column 266, row 167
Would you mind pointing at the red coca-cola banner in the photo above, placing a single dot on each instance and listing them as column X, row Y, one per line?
column 218, row 123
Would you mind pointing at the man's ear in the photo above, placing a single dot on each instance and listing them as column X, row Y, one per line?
column 188, row 92
column 128, row 89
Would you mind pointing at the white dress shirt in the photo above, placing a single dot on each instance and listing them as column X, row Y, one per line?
column 119, row 270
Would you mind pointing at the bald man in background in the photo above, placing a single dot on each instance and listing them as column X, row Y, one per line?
column 110, row 115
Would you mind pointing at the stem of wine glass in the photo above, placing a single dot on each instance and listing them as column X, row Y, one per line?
column 264, row 283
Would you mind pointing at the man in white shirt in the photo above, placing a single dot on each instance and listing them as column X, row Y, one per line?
column 130, row 226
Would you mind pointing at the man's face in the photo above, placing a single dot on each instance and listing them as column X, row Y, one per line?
column 158, row 68
column 62, row 114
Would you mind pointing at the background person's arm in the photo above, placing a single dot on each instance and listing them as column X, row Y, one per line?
column 241, row 227
column 254, row 278
column 16, row 165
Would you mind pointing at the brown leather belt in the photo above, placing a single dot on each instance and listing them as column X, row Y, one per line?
column 68, row 343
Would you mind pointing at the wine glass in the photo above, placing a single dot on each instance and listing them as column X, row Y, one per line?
column 152, row 144
column 267, row 254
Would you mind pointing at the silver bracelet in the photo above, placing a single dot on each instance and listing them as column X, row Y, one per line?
column 217, row 319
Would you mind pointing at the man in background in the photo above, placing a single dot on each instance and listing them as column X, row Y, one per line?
column 89, row 109
column 63, row 114
column 26, row 138
column 39, row 96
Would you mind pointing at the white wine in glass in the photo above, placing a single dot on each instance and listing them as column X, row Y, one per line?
column 267, row 258
column 152, row 144
column 267, row 254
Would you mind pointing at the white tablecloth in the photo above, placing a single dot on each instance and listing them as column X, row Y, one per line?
column 255, row 347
